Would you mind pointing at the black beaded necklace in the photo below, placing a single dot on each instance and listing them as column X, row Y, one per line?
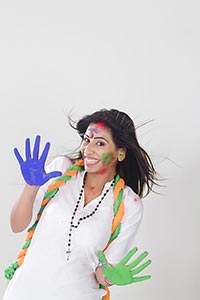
column 72, row 225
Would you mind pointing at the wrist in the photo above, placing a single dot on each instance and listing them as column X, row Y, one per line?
column 31, row 189
column 107, row 281
column 101, row 278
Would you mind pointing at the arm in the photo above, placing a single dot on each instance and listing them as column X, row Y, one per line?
column 124, row 242
column 129, row 226
column 35, row 176
column 21, row 213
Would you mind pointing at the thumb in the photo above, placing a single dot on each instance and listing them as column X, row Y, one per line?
column 52, row 175
column 102, row 258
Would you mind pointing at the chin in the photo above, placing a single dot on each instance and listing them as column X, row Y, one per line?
column 96, row 171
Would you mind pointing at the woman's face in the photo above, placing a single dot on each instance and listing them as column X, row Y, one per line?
column 98, row 149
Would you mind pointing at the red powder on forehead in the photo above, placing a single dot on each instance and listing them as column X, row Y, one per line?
column 101, row 124
column 91, row 135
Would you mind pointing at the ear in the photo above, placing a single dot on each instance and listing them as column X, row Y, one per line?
column 121, row 154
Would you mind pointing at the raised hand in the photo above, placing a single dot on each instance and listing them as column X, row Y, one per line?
column 33, row 168
column 123, row 274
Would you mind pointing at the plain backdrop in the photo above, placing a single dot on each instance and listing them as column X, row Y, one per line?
column 141, row 57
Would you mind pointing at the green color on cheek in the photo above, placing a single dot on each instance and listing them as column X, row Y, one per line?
column 107, row 158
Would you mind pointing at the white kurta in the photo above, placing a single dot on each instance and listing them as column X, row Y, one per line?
column 45, row 273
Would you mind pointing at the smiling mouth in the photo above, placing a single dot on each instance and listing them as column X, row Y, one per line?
column 91, row 161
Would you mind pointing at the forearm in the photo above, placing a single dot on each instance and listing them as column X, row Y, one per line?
column 101, row 278
column 21, row 213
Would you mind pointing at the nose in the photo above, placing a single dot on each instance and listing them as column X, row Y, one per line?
column 89, row 149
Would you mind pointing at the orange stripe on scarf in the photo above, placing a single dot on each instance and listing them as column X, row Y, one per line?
column 118, row 217
column 116, row 221
column 119, row 186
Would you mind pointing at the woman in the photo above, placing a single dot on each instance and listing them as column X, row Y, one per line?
column 85, row 220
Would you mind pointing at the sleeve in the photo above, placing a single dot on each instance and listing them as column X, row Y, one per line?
column 60, row 163
column 129, row 226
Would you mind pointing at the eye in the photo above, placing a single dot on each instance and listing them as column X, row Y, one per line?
column 100, row 143
column 86, row 140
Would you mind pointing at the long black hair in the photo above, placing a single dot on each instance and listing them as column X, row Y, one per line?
column 136, row 169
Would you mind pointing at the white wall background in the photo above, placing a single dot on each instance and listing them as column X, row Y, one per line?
column 141, row 57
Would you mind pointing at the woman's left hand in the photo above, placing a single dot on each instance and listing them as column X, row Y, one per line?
column 123, row 274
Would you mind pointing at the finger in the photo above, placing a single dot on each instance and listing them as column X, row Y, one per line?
column 45, row 152
column 128, row 256
column 36, row 147
column 18, row 156
column 28, row 149
column 141, row 268
column 102, row 258
column 138, row 260
column 142, row 278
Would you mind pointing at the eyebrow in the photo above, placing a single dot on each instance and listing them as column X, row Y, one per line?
column 97, row 137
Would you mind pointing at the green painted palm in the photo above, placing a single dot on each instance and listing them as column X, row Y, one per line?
column 122, row 273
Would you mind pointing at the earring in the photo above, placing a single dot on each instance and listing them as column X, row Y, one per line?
column 121, row 156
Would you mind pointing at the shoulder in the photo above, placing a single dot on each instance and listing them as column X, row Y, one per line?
column 59, row 163
column 133, row 204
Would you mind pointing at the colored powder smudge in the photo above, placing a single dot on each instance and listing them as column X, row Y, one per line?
column 101, row 125
column 136, row 199
column 107, row 158
column 93, row 130
column 103, row 170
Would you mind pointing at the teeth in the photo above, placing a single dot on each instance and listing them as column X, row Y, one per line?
column 91, row 161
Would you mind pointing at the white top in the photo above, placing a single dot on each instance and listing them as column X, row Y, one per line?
column 45, row 273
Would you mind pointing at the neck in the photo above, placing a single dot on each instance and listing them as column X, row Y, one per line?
column 98, row 180
column 94, row 185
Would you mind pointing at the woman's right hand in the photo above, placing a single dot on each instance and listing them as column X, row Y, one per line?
column 33, row 167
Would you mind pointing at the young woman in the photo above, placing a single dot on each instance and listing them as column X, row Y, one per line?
column 84, row 221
